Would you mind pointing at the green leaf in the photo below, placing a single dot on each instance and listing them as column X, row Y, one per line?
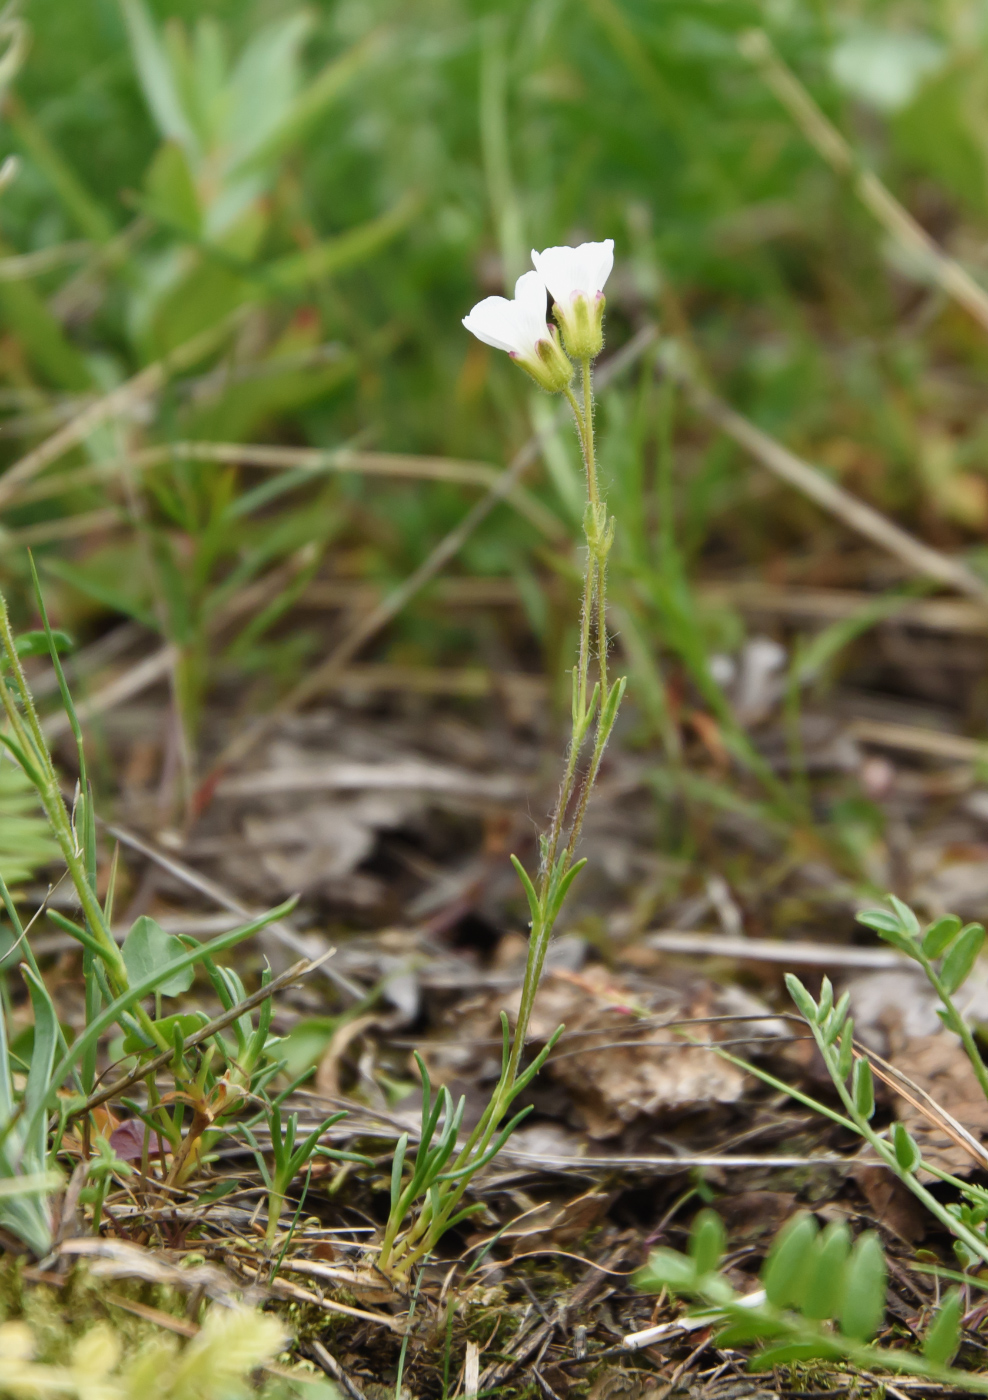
column 751, row 1325
column 812, row 1349
column 826, row 1003
column 907, row 919
column 530, row 892
column 845, row 1058
column 217, row 1192
column 36, row 643
column 960, row 960
column 148, row 949
column 863, row 1088
column 878, row 919
column 171, row 192
column 785, row 1271
column 802, row 998
column 154, row 68
column 397, row 1167
column 825, row 1284
column 185, row 1022
column 707, row 1241
column 940, row 934
column 944, row 1332
column 907, row 1154
column 865, row 1283
column 835, row 1020
column 666, row 1268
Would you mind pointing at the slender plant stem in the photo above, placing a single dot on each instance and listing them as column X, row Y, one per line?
column 960, row 1027
column 400, row 1252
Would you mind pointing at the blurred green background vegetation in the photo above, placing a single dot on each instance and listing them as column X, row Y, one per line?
column 299, row 204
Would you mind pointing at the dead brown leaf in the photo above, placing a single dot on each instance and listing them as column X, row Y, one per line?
column 617, row 1070
column 892, row 1203
column 938, row 1064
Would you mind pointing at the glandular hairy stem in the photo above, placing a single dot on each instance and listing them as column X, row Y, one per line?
column 594, row 710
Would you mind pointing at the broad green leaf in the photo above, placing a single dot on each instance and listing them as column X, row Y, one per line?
column 826, row 1002
column 815, row 1349
column 944, row 1332
column 36, row 643
column 845, row 1058
column 825, row 1283
column 785, row 1271
column 907, row 1154
column 802, row 998
column 940, row 934
column 158, row 79
column 907, row 919
column 960, row 960
column 148, row 949
column 171, row 191
column 863, row 1088
column 865, row 1282
column 878, row 919
column 185, row 1022
column 835, row 1020
column 666, row 1268
column 707, row 1241
column 750, row 1325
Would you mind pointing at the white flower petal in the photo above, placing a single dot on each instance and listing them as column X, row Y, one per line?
column 531, row 310
column 569, row 272
column 493, row 321
column 515, row 326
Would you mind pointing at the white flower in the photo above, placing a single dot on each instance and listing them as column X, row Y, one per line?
column 520, row 328
column 575, row 278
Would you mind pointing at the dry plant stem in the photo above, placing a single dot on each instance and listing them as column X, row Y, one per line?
column 863, row 519
column 220, row 1023
column 142, row 386
column 396, row 601
column 948, row 274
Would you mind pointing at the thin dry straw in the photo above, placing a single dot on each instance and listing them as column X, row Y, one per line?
column 398, row 599
column 945, row 271
column 919, row 558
